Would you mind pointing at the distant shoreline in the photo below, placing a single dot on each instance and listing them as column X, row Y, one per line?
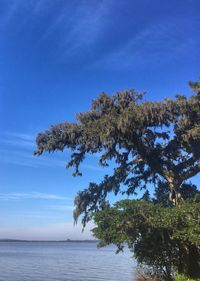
column 67, row 240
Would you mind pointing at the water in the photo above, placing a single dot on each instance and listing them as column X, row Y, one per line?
column 63, row 261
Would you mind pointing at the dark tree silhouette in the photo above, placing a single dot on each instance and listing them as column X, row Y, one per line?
column 146, row 196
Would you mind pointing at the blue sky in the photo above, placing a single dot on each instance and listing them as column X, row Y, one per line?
column 55, row 57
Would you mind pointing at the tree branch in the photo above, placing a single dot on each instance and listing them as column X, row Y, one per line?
column 186, row 163
column 191, row 172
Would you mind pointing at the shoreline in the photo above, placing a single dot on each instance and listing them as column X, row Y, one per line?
column 58, row 241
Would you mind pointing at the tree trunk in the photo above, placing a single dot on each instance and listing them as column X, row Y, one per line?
column 183, row 259
column 173, row 193
column 194, row 262
column 189, row 261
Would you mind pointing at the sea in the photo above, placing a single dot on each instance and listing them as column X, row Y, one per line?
column 64, row 261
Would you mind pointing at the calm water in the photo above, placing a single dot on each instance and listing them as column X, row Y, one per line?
column 61, row 261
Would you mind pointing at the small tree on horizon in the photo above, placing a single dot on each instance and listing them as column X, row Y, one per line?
column 146, row 196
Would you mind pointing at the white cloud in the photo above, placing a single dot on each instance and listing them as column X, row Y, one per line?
column 27, row 159
column 86, row 29
column 60, row 208
column 16, row 156
column 18, row 139
column 79, row 29
column 17, row 149
column 22, row 136
column 32, row 195
column 10, row 11
column 158, row 43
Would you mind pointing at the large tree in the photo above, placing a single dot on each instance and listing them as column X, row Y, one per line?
column 149, row 142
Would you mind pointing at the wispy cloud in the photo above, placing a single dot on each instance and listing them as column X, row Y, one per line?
column 10, row 9
column 88, row 24
column 27, row 159
column 78, row 27
column 158, row 43
column 21, row 136
column 17, row 149
column 22, row 217
column 61, row 208
column 18, row 139
column 32, row 195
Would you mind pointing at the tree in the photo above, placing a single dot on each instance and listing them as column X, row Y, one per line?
column 150, row 142
column 164, row 239
column 146, row 196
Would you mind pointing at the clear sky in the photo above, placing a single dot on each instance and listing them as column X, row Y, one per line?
column 55, row 57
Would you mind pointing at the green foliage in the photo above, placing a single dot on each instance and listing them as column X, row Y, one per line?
column 181, row 277
column 162, row 238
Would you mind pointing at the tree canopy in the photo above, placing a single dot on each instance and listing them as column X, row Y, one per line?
column 149, row 142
